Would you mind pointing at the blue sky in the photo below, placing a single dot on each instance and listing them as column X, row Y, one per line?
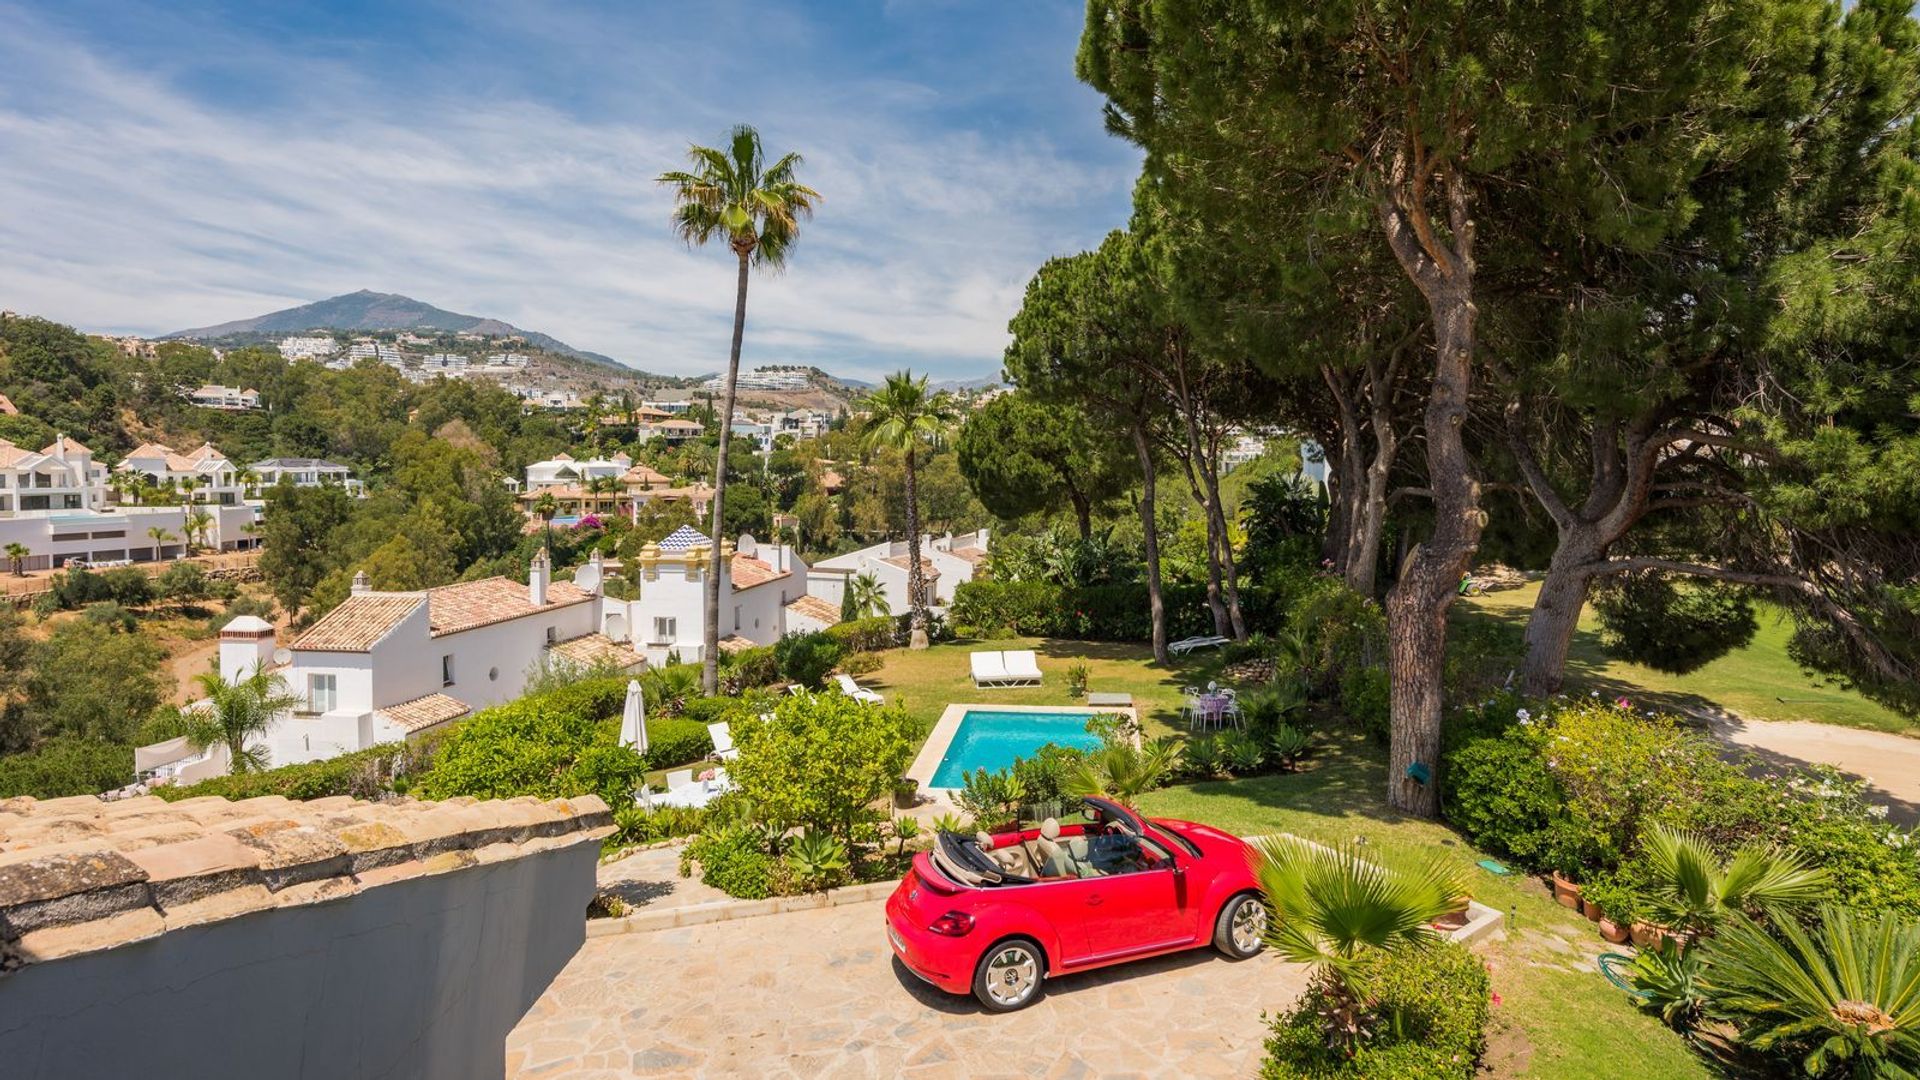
column 164, row 166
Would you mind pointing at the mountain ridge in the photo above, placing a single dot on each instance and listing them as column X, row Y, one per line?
column 365, row 309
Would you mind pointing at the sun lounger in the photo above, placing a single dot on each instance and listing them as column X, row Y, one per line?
column 723, row 747
column 989, row 668
column 857, row 692
column 1023, row 667
column 1187, row 645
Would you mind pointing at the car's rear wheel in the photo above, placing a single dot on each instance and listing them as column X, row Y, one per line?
column 1241, row 929
column 1009, row 975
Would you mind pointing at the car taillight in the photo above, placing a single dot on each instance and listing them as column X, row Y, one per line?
column 953, row 924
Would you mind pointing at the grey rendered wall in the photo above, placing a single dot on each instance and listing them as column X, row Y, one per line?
column 420, row 978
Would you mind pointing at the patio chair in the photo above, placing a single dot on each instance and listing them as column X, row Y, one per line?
column 1023, row 666
column 723, row 747
column 857, row 692
column 679, row 778
column 989, row 668
column 1187, row 645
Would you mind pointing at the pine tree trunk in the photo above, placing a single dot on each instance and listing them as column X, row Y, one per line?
column 916, row 578
column 1082, row 513
column 1556, row 616
column 710, row 654
column 1229, row 568
column 1150, row 542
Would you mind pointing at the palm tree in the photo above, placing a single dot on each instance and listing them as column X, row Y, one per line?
column 236, row 712
column 904, row 415
column 17, row 559
column 1693, row 891
column 161, row 538
column 757, row 207
column 865, row 599
column 547, row 506
column 1332, row 908
column 1123, row 771
column 198, row 524
column 1841, row 1000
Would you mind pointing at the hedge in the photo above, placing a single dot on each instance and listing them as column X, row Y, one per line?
column 1106, row 612
column 1430, row 1007
column 61, row 767
column 868, row 635
column 363, row 774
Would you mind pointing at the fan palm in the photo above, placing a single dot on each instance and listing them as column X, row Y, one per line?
column 161, row 538
column 17, row 558
column 865, row 598
column 235, row 713
column 1843, row 998
column 1331, row 908
column 1693, row 891
column 756, row 207
column 198, row 524
column 1121, row 771
column 902, row 415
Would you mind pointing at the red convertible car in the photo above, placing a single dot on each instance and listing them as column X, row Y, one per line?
column 997, row 914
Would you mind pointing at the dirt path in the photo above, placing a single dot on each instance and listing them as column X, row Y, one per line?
column 1889, row 763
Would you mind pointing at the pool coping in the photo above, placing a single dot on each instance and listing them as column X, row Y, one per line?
column 927, row 762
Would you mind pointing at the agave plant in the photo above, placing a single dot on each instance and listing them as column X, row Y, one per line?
column 1670, row 977
column 1242, row 753
column 904, row 830
column 952, row 823
column 817, row 860
column 1123, row 771
column 1331, row 908
column 1843, row 999
column 1287, row 745
column 1201, row 757
column 1694, row 891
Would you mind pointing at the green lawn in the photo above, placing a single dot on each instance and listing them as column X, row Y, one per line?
column 1759, row 681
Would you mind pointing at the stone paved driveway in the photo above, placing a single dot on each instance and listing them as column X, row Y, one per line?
column 817, row 994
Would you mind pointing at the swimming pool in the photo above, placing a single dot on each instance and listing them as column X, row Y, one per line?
column 991, row 738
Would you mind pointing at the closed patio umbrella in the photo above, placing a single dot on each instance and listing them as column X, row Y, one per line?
column 633, row 719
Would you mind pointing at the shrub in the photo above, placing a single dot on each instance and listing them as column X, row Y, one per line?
column 1368, row 702
column 548, row 745
column 66, row 766
column 1201, row 757
column 363, row 774
column 1241, row 753
column 1431, row 1006
column 806, row 658
column 1077, row 675
column 816, row 861
column 1107, row 612
column 867, row 635
column 634, row 825
column 733, row 858
column 750, row 668
column 818, row 760
column 861, row 663
column 991, row 798
column 1287, row 745
column 1499, row 793
column 1046, row 778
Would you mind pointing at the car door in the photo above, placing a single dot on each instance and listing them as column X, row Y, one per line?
column 1137, row 911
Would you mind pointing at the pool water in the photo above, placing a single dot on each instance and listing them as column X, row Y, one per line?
column 991, row 738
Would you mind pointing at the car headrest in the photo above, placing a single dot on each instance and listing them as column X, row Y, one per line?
column 984, row 839
column 1050, row 829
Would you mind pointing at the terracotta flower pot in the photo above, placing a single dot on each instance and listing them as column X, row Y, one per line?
column 1452, row 920
column 1566, row 893
column 1613, row 931
column 1643, row 935
column 1592, row 910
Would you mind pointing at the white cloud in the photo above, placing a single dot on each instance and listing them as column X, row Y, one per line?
column 132, row 205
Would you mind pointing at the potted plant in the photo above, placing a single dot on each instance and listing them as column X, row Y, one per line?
column 1455, row 917
column 1077, row 676
column 1611, row 905
column 906, row 793
column 1565, row 892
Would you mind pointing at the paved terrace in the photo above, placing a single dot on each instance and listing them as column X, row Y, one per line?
column 817, row 994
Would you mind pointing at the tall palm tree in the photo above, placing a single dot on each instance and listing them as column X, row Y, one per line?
column 198, row 524
column 865, row 598
column 1332, row 908
column 17, row 559
column 903, row 415
column 1692, row 890
column 161, row 538
column 1840, row 1000
column 734, row 193
column 237, row 712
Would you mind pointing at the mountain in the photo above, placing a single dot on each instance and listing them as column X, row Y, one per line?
column 368, row 310
column 984, row 383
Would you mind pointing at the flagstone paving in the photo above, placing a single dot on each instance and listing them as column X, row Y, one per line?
column 649, row 880
column 817, row 994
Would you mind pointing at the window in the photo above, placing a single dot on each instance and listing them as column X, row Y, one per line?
column 553, row 635
column 665, row 629
column 446, row 670
column 322, row 693
column 736, row 616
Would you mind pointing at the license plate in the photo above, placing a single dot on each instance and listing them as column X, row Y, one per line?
column 899, row 945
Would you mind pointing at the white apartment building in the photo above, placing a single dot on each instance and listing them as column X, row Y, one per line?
column 562, row 470
column 374, row 350
column 762, row 378
column 946, row 561
column 761, row 433
column 55, row 504
column 668, row 616
column 445, row 363
column 387, row 665
column 509, row 360
column 803, row 423
column 672, row 403
column 60, row 477
column 206, row 471
column 674, row 432
column 308, row 348
column 305, row 472
column 1244, row 448
column 231, row 398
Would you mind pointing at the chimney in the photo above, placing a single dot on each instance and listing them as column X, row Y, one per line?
column 538, row 574
column 361, row 586
column 60, row 447
column 246, row 647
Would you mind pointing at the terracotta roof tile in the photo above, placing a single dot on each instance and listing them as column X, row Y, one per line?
column 470, row 604
column 595, row 650
column 815, row 607
column 734, row 643
column 968, row 554
column 115, row 885
column 425, row 711
column 359, row 622
column 926, row 565
column 746, row 572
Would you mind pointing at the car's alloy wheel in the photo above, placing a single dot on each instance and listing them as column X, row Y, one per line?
column 1241, row 930
column 1009, row 976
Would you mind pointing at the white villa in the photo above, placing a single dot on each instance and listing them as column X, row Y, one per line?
column 758, row 583
column 674, row 432
column 214, row 478
column 308, row 348
column 946, row 561
column 563, row 470
column 305, row 472
column 231, row 398
column 60, row 477
column 387, row 665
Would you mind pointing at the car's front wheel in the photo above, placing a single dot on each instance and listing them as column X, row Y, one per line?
column 1241, row 929
column 1009, row 975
